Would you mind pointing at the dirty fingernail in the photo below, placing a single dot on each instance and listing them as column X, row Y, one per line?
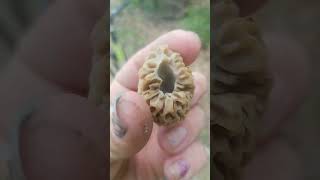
column 118, row 127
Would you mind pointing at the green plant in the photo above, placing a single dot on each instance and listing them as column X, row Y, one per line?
column 197, row 19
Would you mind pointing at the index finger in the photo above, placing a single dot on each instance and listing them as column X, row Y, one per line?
column 186, row 43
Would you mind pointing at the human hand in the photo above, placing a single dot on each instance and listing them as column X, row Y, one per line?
column 139, row 148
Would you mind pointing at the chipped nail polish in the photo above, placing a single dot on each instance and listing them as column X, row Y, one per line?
column 178, row 170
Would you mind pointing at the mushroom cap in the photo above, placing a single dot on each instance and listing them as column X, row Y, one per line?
column 166, row 84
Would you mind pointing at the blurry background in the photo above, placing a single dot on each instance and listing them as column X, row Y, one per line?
column 135, row 23
column 300, row 20
column 16, row 16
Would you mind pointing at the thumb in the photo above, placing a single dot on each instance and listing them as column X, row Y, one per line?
column 130, row 125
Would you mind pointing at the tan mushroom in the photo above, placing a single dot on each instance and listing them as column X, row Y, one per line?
column 166, row 84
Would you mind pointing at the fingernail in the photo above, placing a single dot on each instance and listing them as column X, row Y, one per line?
column 176, row 136
column 118, row 128
column 177, row 170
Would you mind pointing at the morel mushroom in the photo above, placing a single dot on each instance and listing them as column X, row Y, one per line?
column 98, row 77
column 167, row 86
column 241, row 85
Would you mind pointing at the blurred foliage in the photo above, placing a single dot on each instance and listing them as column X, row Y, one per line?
column 197, row 19
column 192, row 16
column 165, row 9
column 131, row 39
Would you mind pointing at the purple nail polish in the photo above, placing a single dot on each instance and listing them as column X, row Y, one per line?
column 177, row 170
column 183, row 166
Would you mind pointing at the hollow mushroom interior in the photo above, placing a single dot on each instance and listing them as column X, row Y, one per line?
column 166, row 73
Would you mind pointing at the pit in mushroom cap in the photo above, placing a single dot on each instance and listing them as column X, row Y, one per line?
column 166, row 84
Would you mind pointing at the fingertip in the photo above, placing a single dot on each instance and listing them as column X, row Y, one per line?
column 187, row 164
column 133, row 111
column 188, row 36
column 131, row 125
column 187, row 43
